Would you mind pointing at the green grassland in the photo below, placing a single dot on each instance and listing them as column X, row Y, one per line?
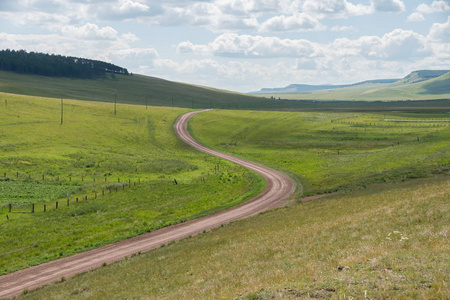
column 436, row 88
column 42, row 161
column 136, row 89
column 333, row 151
column 388, row 242
column 146, row 90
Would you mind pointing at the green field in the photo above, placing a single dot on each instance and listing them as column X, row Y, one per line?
column 391, row 242
column 386, row 228
column 333, row 151
column 43, row 162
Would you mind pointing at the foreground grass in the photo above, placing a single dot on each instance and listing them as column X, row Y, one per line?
column 333, row 151
column 92, row 150
column 384, row 242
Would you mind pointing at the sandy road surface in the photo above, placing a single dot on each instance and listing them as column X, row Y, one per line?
column 279, row 187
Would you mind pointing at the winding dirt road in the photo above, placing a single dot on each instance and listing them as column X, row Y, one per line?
column 279, row 187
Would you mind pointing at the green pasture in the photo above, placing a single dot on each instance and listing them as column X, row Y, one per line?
column 43, row 161
column 333, row 151
column 386, row 242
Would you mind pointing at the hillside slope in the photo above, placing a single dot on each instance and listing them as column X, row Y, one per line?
column 421, row 75
column 136, row 89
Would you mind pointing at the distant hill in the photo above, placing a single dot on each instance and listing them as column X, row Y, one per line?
column 438, row 85
column 421, row 75
column 55, row 65
column 418, row 85
column 292, row 88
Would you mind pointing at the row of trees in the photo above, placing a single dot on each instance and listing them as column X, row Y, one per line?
column 55, row 65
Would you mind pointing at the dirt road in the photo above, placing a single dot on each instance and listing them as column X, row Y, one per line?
column 279, row 187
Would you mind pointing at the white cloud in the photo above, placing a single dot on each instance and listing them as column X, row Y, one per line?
column 123, row 9
column 234, row 45
column 335, row 8
column 135, row 53
column 441, row 33
column 90, row 31
column 296, row 22
column 396, row 45
column 207, row 15
column 343, row 28
column 388, row 5
column 416, row 17
column 39, row 19
column 436, row 6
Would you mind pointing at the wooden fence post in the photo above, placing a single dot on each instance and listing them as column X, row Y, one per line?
column 57, row 204
column 9, row 207
column 32, row 208
column 45, row 208
column 68, row 201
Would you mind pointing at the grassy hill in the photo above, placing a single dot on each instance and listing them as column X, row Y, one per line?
column 421, row 75
column 136, row 89
column 419, row 85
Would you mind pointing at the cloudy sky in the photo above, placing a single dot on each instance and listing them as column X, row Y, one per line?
column 240, row 45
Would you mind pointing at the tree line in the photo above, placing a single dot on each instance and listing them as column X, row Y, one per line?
column 21, row 61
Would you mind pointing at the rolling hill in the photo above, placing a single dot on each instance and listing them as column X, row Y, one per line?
column 419, row 85
column 135, row 89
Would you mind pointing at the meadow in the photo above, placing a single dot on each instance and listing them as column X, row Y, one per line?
column 331, row 152
column 43, row 161
column 386, row 242
column 384, row 234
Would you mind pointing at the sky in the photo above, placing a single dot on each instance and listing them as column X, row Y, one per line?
column 239, row 45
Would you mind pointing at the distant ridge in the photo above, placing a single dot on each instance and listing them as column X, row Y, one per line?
column 293, row 88
column 413, row 77
column 421, row 75
column 418, row 85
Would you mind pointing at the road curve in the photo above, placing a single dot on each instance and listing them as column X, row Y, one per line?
column 279, row 187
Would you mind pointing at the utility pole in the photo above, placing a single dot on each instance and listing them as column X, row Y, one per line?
column 62, row 111
column 115, row 102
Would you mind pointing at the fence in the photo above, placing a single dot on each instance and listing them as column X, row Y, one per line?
column 108, row 189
